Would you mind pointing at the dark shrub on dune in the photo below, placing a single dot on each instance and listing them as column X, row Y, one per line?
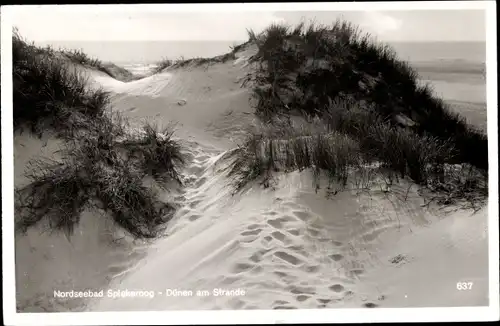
column 47, row 91
column 302, row 70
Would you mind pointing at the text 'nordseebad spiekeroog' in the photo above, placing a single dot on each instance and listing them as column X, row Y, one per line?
column 217, row 292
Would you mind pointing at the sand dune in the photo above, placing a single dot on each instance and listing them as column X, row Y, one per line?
column 292, row 248
column 287, row 247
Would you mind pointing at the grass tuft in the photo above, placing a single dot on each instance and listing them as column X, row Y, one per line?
column 158, row 153
column 100, row 171
column 355, row 142
column 162, row 65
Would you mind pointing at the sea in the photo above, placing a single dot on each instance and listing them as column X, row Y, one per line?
column 455, row 70
column 149, row 52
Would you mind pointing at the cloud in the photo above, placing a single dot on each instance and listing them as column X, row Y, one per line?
column 380, row 23
column 122, row 26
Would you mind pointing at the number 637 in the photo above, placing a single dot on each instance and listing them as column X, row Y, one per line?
column 464, row 285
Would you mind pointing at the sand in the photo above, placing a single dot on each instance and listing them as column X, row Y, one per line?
column 278, row 248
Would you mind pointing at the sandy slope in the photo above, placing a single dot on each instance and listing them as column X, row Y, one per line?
column 204, row 100
column 48, row 261
column 287, row 247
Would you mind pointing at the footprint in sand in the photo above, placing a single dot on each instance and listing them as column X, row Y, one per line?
column 313, row 232
column 302, row 298
column 283, row 307
column 303, row 215
column 324, row 301
column 280, row 302
column 253, row 226
column 268, row 238
column 294, row 232
column 357, row 272
column 251, row 232
column 336, row 257
column 256, row 258
column 337, row 288
column 195, row 203
column 303, row 290
column 279, row 222
column 279, row 236
column 248, row 239
column 280, row 274
column 242, row 267
column 194, row 217
column 291, row 259
column 298, row 249
column 312, row 269
column 370, row 305
column 116, row 269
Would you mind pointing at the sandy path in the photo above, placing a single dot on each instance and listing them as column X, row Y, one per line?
column 292, row 248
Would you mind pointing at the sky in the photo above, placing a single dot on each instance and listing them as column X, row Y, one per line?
column 92, row 28
column 409, row 25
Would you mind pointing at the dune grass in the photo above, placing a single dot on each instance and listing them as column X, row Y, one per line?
column 162, row 65
column 355, row 148
column 399, row 148
column 111, row 69
column 261, row 155
column 103, row 165
column 196, row 62
column 103, row 171
column 47, row 91
column 158, row 153
column 303, row 69
column 80, row 57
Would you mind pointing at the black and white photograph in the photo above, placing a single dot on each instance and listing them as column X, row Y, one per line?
column 288, row 160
